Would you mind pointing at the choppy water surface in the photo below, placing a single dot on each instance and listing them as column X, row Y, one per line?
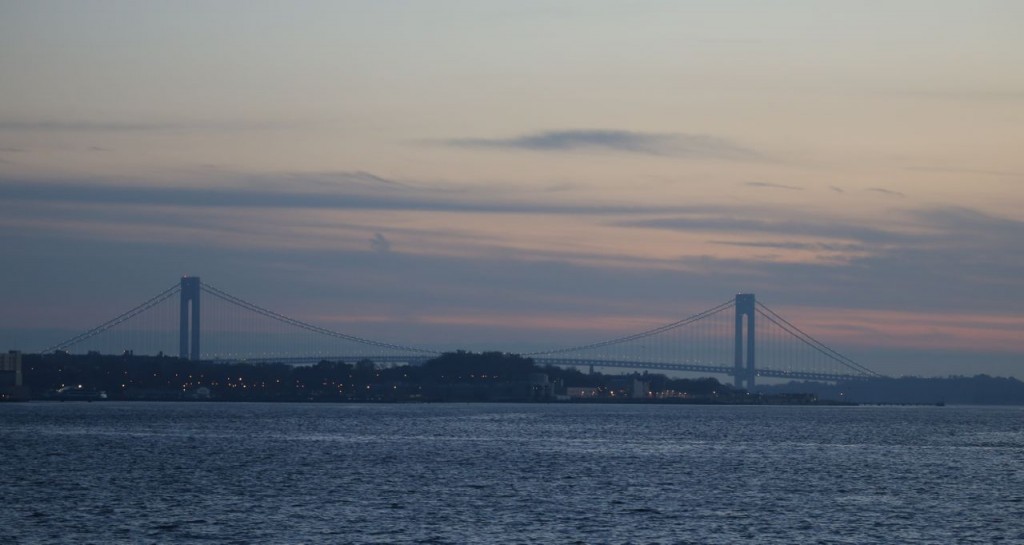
column 289, row 473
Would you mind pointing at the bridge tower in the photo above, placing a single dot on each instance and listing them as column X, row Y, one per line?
column 744, row 349
column 189, row 328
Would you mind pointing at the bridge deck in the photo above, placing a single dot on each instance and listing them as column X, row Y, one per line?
column 569, row 362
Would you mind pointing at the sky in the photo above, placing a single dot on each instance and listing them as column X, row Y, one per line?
column 520, row 175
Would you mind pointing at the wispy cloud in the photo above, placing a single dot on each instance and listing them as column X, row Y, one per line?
column 972, row 224
column 770, row 185
column 885, row 191
column 811, row 246
column 961, row 170
column 668, row 144
column 762, row 222
column 340, row 191
column 42, row 125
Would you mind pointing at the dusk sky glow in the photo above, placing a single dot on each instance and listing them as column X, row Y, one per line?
column 524, row 175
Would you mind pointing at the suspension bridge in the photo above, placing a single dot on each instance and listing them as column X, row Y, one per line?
column 741, row 338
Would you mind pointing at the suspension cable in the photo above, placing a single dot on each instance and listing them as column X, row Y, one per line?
column 121, row 318
column 686, row 321
column 817, row 345
column 227, row 297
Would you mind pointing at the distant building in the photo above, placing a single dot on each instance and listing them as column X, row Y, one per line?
column 10, row 369
column 629, row 388
column 11, row 386
column 541, row 388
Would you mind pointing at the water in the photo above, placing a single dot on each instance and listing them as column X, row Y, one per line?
column 293, row 473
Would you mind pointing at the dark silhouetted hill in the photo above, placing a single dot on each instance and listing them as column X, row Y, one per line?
column 956, row 390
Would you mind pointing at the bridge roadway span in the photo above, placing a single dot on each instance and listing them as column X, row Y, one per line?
column 568, row 362
column 743, row 345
